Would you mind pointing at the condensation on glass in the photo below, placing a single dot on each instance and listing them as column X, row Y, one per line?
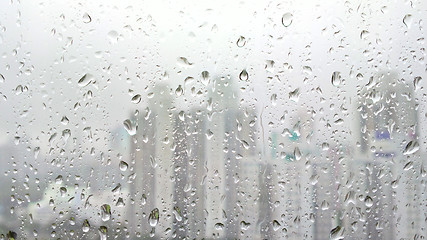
column 213, row 119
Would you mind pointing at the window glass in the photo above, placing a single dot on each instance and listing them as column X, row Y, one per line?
column 213, row 119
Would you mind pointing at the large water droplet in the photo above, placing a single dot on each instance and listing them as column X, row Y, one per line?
column 123, row 166
column 136, row 99
column 287, row 19
column 205, row 78
column 411, row 148
column 369, row 202
column 102, row 230
column 130, row 127
column 219, row 226
column 153, row 219
column 294, row 95
column 177, row 213
column 244, row 76
column 276, row 225
column 241, row 41
column 105, row 212
column 85, row 80
column 179, row 91
column 417, row 83
column 337, row 233
column 407, row 20
column 85, row 226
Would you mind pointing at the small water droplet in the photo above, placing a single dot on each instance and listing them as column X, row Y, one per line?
column 336, row 79
column 113, row 36
column 241, row 41
column 337, row 233
column 136, row 99
column 87, row 18
column 244, row 76
column 294, row 95
column 417, row 83
column 273, row 99
column 179, row 91
column 205, row 78
column 287, row 19
column 408, row 166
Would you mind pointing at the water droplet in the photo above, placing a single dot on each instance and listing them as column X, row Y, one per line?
column 85, row 226
column 273, row 99
column 64, row 120
column 136, row 99
column 153, row 219
column 205, row 78
column 408, row 166
column 294, row 95
column 11, row 235
column 102, row 230
column 123, row 166
column 337, row 233
column 411, row 148
column 85, row 80
column 105, row 212
column 1, row 78
column 113, row 36
column 179, row 91
column 241, row 41
column 276, row 225
column 130, row 127
column 269, row 66
column 58, row 179
column 183, row 62
column 287, row 19
column 297, row 153
column 177, row 213
column 407, row 20
column 219, row 226
column 87, row 18
column 417, row 83
column 364, row 34
column 120, row 202
column 336, row 79
column 244, row 225
column 244, row 76
column 209, row 134
column 369, row 202
column 63, row 191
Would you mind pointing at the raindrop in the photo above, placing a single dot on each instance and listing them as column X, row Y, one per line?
column 123, row 166
column 136, row 98
column 64, row 120
column 417, row 83
column 87, row 18
column 241, row 41
column 294, row 95
column 287, row 19
column 209, row 134
column 85, row 226
column 273, row 99
column 336, row 79
column 408, row 166
column 337, row 233
column 153, row 219
column 85, row 80
column 244, row 76
column 411, row 148
column 105, row 212
column 219, row 226
column 177, row 213
column 63, row 191
column 102, row 230
column 276, row 225
column 297, row 153
column 120, row 202
column 130, row 127
column 1, row 78
column 407, row 20
column 113, row 36
column 11, row 235
column 244, row 225
column 179, row 91
column 183, row 62
column 205, row 78
column 269, row 65
column 369, row 202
